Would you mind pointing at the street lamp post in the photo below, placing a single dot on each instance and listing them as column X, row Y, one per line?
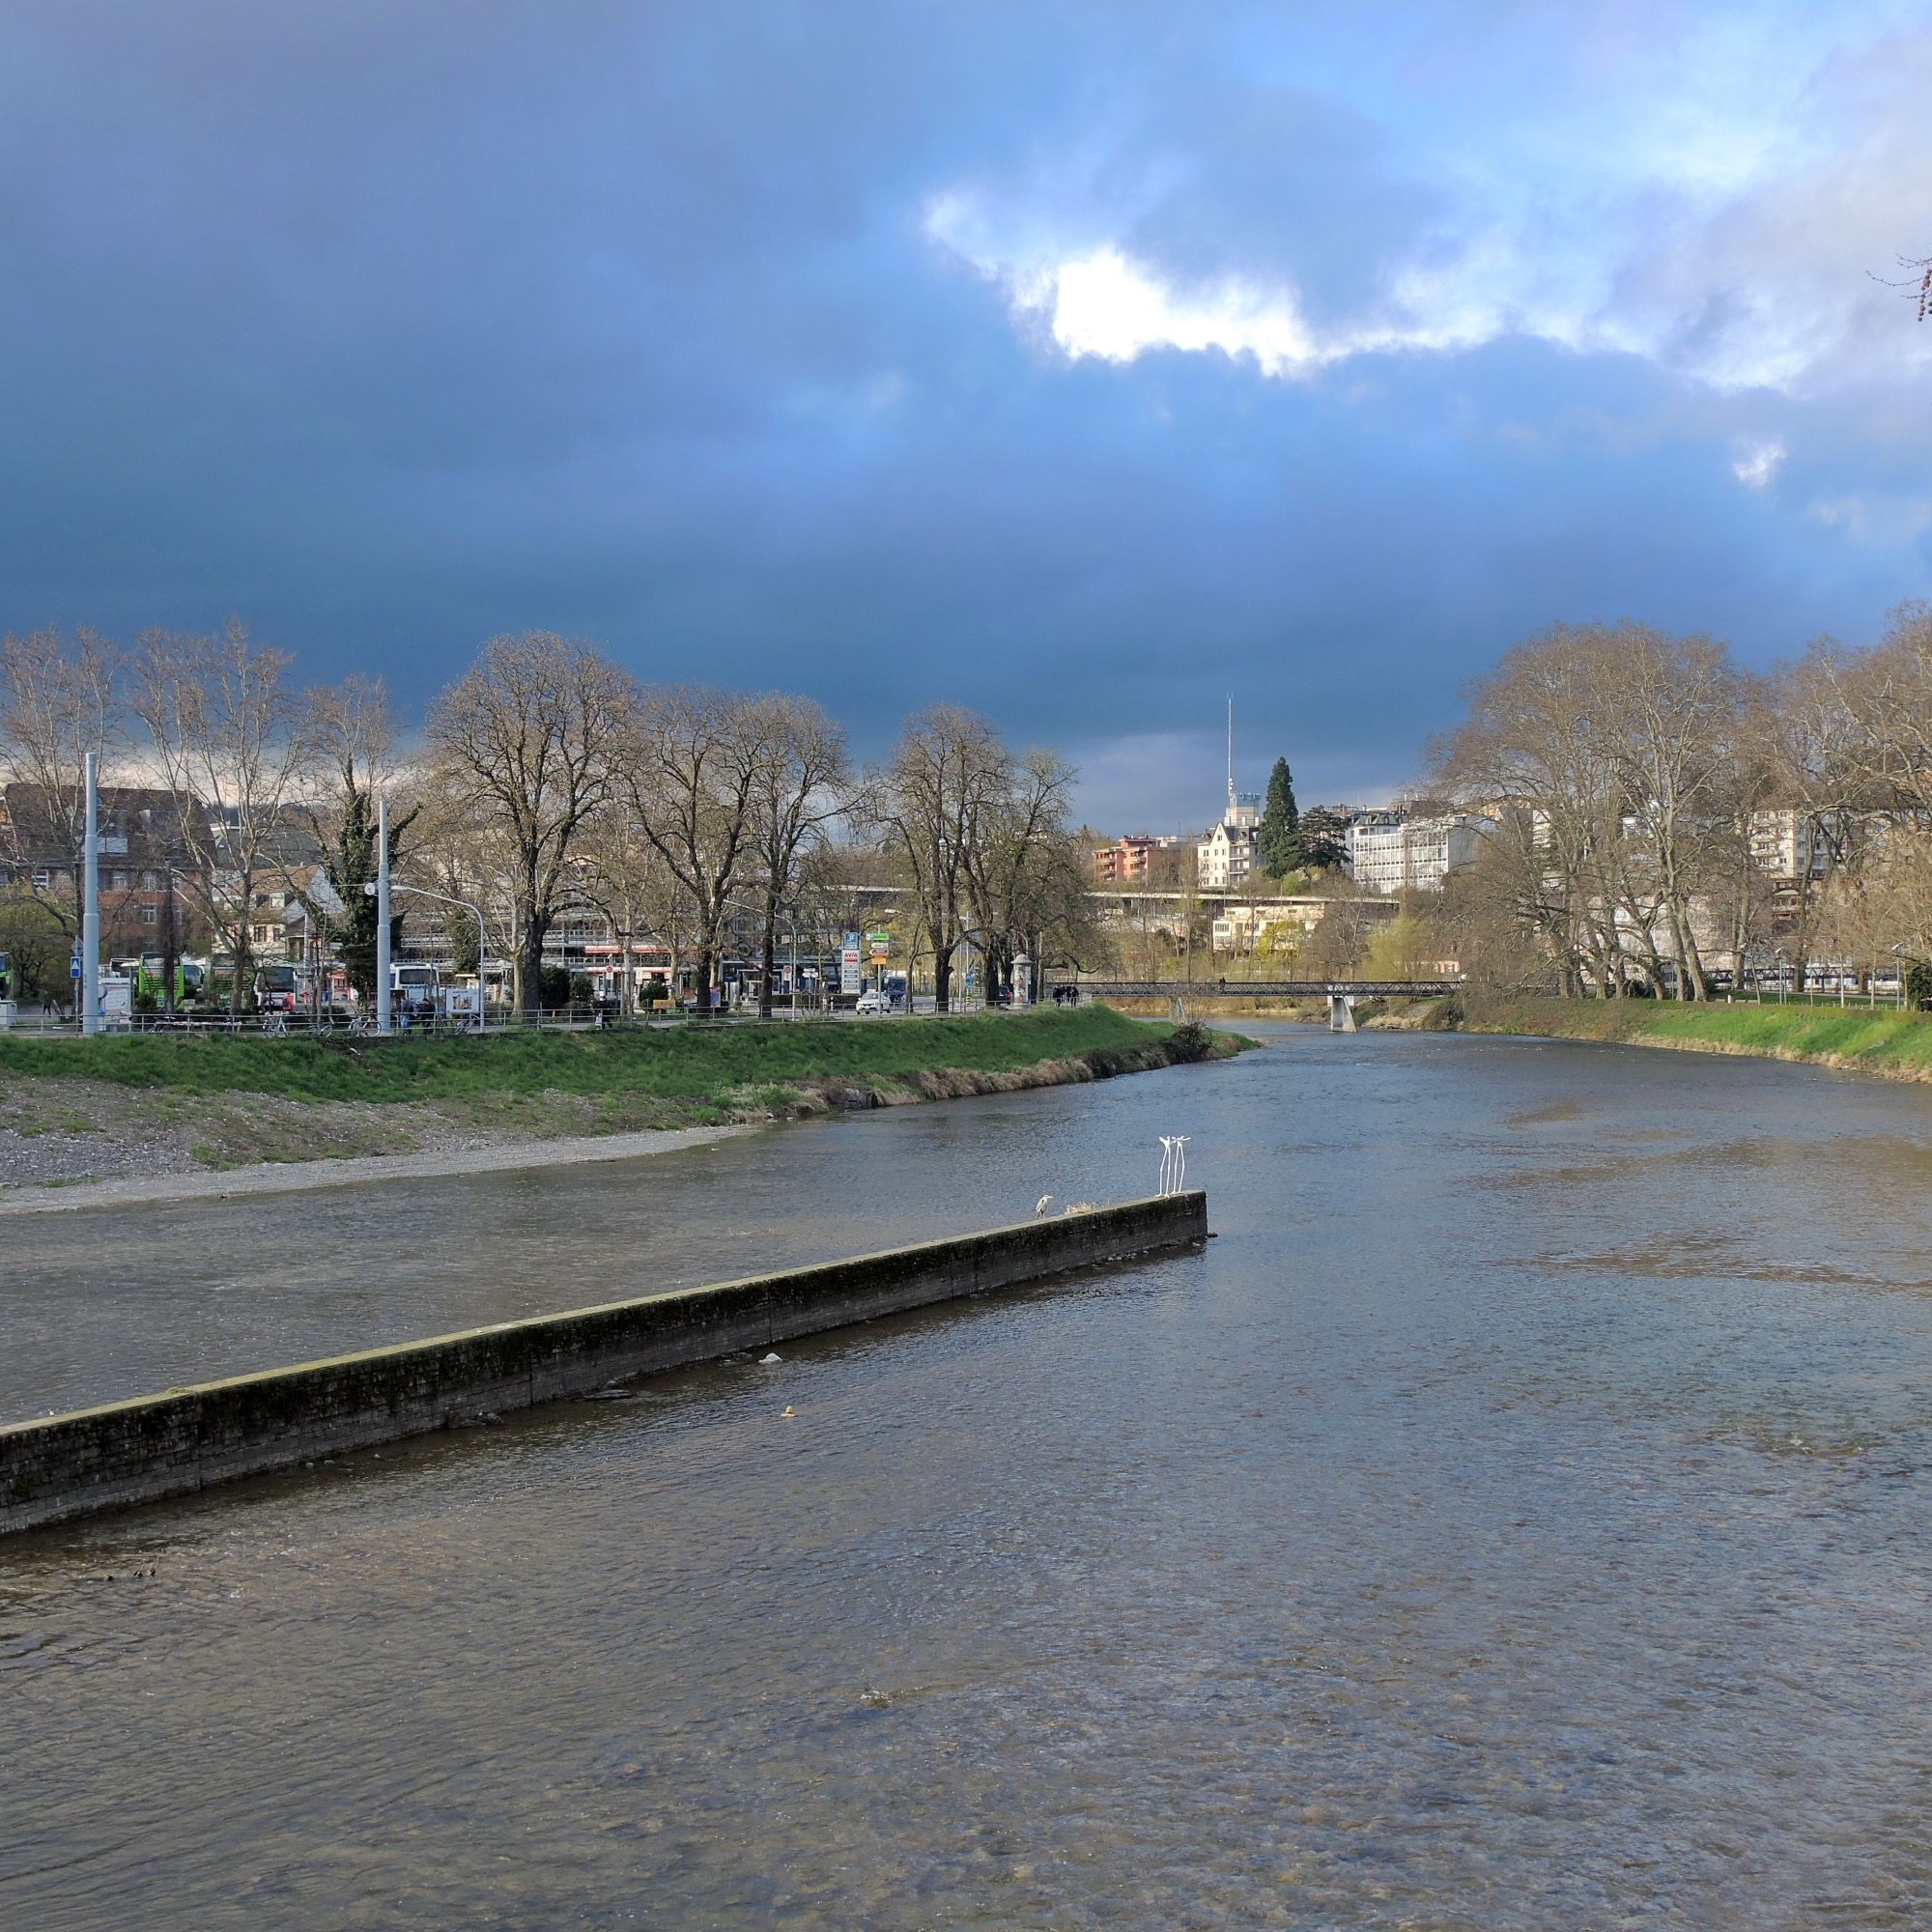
column 172, row 861
column 170, row 941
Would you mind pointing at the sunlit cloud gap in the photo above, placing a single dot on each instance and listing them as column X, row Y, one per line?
column 1104, row 304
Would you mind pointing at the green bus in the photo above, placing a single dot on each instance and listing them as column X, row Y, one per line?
column 149, row 976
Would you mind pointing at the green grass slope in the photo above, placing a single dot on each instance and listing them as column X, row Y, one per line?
column 674, row 1063
column 1874, row 1041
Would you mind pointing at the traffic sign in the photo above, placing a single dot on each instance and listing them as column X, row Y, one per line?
column 74, row 969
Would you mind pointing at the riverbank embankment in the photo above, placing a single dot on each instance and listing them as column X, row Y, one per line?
column 141, row 1108
column 188, row 1439
column 1854, row 1038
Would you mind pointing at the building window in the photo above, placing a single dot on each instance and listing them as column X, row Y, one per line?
column 43, row 879
column 151, row 914
column 150, row 882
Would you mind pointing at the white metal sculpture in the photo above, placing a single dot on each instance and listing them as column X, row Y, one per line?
column 1173, row 1162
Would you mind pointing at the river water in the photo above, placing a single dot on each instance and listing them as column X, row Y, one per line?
column 1519, row 1515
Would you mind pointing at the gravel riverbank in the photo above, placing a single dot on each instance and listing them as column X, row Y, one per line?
column 140, row 1189
column 172, row 1122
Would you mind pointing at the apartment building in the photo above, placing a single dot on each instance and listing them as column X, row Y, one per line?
column 1225, row 859
column 1131, row 861
column 1789, row 843
column 146, row 877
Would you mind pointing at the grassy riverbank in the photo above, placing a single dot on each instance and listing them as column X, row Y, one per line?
column 141, row 1103
column 1881, row 1041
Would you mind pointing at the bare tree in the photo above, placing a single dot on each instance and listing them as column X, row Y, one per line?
column 351, row 736
column 1334, row 950
column 230, row 736
column 624, row 876
column 465, row 855
column 691, row 767
column 529, row 737
column 798, row 788
column 1533, row 753
column 60, row 699
column 1678, row 704
column 1019, row 866
column 931, row 806
column 1916, row 284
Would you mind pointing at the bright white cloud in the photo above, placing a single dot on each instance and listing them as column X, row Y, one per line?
column 1105, row 305
column 1757, row 464
column 1715, row 202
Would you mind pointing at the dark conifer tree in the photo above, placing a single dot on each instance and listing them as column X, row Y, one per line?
column 348, row 864
column 1324, row 836
column 1279, row 842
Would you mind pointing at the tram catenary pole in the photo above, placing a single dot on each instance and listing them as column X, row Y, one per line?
column 383, row 914
column 89, row 904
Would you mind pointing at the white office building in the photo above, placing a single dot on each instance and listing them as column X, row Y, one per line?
column 1390, row 852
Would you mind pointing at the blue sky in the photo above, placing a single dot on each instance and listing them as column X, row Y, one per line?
column 1083, row 363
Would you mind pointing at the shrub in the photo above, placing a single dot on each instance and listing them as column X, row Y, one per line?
column 1191, row 1041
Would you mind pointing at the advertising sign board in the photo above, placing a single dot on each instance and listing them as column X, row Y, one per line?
column 851, row 966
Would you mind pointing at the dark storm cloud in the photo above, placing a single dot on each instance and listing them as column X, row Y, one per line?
column 391, row 328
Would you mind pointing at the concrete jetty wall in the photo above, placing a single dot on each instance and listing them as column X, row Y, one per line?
column 172, row 1444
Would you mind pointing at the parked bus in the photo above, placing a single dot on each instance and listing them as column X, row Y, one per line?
column 419, row 996
column 277, row 988
column 150, row 974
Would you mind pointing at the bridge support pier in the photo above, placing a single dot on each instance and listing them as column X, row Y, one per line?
column 1342, row 1012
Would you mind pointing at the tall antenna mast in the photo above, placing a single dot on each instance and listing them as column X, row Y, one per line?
column 1231, row 757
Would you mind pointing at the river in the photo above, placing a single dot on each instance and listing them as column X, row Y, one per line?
column 1519, row 1515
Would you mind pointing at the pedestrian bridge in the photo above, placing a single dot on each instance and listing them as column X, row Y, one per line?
column 1341, row 995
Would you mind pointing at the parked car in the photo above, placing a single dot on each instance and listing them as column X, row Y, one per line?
column 872, row 1001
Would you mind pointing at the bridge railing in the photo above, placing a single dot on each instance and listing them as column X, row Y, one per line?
column 1265, row 989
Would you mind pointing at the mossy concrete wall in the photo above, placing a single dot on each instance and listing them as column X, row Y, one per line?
column 167, row 1445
